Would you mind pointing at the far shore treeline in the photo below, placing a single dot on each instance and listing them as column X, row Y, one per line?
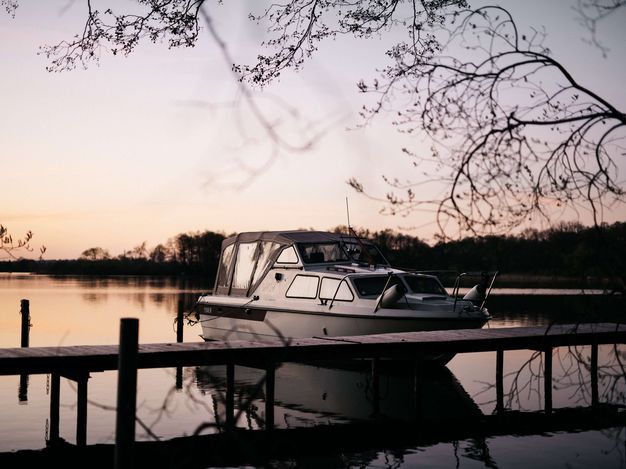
column 568, row 254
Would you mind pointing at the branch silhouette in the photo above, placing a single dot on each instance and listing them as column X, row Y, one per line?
column 515, row 135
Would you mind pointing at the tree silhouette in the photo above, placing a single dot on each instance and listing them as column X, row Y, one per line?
column 10, row 247
column 95, row 254
column 514, row 133
column 591, row 13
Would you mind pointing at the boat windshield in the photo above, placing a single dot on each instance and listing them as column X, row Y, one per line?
column 364, row 252
column 374, row 285
column 314, row 253
column 419, row 284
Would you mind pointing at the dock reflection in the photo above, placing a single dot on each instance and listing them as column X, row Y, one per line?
column 310, row 394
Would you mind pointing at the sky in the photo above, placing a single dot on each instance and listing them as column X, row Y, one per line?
column 144, row 147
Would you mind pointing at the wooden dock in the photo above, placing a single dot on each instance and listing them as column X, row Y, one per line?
column 408, row 345
column 77, row 362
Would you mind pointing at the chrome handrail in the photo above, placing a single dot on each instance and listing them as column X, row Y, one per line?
column 337, row 290
column 493, row 279
column 455, row 289
column 457, row 286
column 380, row 297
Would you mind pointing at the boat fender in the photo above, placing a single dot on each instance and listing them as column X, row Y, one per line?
column 391, row 296
column 476, row 294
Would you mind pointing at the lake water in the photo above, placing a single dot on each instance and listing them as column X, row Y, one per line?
column 173, row 403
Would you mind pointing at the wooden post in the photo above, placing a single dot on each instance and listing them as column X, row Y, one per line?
column 179, row 339
column 180, row 325
column 25, row 312
column 55, row 401
column 22, row 391
column 594, row 375
column 499, row 380
column 179, row 378
column 126, row 393
column 547, row 379
column 375, row 387
column 81, row 416
column 417, row 388
column 230, row 396
column 269, row 396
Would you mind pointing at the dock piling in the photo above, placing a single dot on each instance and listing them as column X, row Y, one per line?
column 179, row 339
column 417, row 388
column 126, row 393
column 22, row 391
column 55, row 401
column 547, row 377
column 180, row 325
column 594, row 375
column 81, row 416
column 499, row 380
column 25, row 312
column 375, row 386
column 230, row 396
column 270, row 383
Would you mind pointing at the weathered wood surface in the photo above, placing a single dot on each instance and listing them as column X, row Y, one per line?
column 72, row 359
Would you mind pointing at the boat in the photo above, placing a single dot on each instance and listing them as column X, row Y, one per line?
column 295, row 284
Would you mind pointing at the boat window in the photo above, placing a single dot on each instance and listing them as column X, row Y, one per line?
column 266, row 249
column 303, row 286
column 424, row 285
column 329, row 287
column 288, row 256
column 244, row 265
column 314, row 253
column 226, row 267
column 374, row 285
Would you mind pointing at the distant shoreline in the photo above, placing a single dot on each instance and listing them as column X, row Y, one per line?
column 100, row 269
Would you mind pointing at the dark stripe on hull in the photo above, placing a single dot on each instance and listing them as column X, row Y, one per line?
column 248, row 314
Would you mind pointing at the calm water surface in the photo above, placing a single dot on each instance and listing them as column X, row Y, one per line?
column 171, row 403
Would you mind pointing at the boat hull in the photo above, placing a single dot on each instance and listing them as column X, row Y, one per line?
column 259, row 325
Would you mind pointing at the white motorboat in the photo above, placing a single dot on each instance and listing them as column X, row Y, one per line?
column 294, row 284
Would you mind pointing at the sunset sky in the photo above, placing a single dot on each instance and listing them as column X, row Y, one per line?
column 145, row 147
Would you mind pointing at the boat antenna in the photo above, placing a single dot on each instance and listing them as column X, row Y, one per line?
column 351, row 232
column 348, row 214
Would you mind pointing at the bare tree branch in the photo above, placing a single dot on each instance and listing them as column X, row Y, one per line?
column 9, row 246
column 10, row 6
column 593, row 12
column 515, row 134
column 172, row 21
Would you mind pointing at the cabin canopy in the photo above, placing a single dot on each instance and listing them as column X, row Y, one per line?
column 246, row 257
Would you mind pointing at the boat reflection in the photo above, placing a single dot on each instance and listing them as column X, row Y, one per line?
column 310, row 394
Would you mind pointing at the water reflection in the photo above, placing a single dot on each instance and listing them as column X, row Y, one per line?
column 338, row 403
column 536, row 310
column 308, row 394
column 458, row 402
column 86, row 310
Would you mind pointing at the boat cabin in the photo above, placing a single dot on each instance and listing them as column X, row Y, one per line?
column 247, row 257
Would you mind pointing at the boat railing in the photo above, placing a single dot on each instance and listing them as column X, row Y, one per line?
column 380, row 297
column 343, row 279
column 457, row 285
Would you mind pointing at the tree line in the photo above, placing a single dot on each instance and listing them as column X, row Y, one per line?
column 569, row 250
column 191, row 254
column 584, row 256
